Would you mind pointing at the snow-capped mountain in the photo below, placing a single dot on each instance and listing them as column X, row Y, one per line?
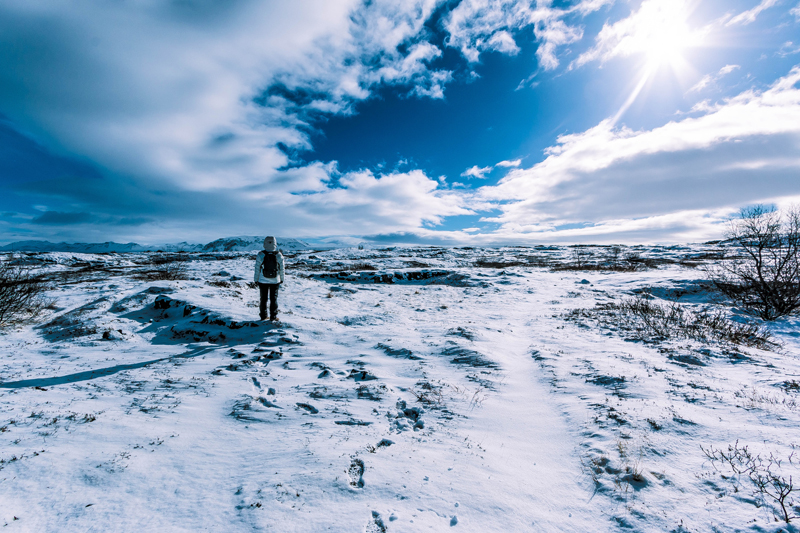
column 251, row 243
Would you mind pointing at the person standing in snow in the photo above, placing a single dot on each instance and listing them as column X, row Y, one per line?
column 269, row 275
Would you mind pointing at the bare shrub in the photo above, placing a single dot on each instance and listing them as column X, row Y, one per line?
column 613, row 254
column 764, row 473
column 649, row 320
column 603, row 267
column 764, row 277
column 636, row 260
column 22, row 293
column 429, row 396
column 485, row 262
column 353, row 267
column 166, row 267
column 583, row 259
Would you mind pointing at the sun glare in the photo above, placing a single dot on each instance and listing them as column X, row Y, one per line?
column 659, row 33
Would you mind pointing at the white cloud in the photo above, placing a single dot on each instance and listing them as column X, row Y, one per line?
column 528, row 82
column 473, row 24
column 476, row 172
column 704, row 82
column 503, row 42
column 144, row 89
column 476, row 26
column 163, row 81
column 789, row 48
column 681, row 226
column 363, row 203
column 590, row 6
column 795, row 11
column 553, row 34
column 709, row 79
column 749, row 16
column 480, row 172
column 735, row 153
column 704, row 106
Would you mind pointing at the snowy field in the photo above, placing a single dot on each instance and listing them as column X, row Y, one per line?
column 404, row 389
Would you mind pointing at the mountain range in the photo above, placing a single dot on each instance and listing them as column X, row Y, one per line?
column 227, row 244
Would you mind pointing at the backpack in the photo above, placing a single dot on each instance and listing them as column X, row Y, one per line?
column 270, row 265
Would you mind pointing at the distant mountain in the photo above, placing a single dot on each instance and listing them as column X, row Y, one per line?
column 228, row 244
column 81, row 247
column 246, row 244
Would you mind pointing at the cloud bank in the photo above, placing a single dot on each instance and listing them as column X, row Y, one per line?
column 687, row 173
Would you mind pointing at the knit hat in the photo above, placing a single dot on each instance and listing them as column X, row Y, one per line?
column 270, row 244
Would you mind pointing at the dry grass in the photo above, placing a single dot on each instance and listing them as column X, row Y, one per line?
column 650, row 320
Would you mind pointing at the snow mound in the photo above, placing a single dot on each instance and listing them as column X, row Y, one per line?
column 176, row 319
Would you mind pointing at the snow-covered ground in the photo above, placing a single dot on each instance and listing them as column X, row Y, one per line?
column 405, row 389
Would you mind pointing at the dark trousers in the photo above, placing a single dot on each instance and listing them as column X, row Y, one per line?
column 268, row 291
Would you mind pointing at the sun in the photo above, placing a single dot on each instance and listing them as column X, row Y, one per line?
column 666, row 46
column 660, row 34
column 665, row 35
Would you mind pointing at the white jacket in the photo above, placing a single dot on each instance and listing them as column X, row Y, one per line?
column 258, row 276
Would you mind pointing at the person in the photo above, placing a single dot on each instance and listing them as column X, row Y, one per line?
column 269, row 275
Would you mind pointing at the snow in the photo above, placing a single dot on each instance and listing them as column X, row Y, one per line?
column 420, row 393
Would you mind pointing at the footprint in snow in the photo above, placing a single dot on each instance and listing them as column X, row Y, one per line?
column 356, row 473
column 308, row 407
column 256, row 382
column 266, row 403
column 375, row 525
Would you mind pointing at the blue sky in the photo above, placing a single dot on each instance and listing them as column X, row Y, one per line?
column 471, row 121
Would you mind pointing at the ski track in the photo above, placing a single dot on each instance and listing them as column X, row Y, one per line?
column 349, row 415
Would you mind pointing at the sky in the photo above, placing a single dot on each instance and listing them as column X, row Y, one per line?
column 478, row 122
